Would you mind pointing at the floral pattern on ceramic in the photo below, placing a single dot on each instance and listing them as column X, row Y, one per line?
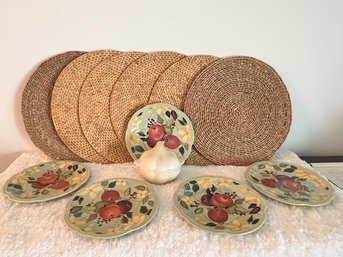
column 169, row 124
column 111, row 208
column 220, row 205
column 290, row 184
column 46, row 181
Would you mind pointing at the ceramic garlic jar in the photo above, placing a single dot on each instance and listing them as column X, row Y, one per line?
column 158, row 165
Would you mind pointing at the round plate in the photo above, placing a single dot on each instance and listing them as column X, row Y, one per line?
column 173, row 120
column 111, row 208
column 290, row 184
column 46, row 181
column 220, row 205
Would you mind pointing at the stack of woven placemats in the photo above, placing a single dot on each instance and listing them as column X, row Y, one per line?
column 77, row 105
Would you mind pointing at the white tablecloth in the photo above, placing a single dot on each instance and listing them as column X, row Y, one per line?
column 39, row 229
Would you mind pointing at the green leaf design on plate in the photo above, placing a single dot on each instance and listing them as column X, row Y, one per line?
column 151, row 203
column 78, row 214
column 187, row 187
column 193, row 182
column 199, row 210
column 159, row 119
column 283, row 165
column 210, row 224
column 182, row 123
column 124, row 219
column 184, row 205
column 112, row 184
column 195, row 188
column 182, row 150
column 141, row 133
column 255, row 210
column 91, row 217
column 140, row 187
column 75, row 209
column 239, row 201
column 289, row 170
column 188, row 193
column 76, row 198
column 80, row 200
column 276, row 167
column 173, row 114
column 104, row 183
column 138, row 148
column 145, row 199
column 261, row 166
column 143, row 209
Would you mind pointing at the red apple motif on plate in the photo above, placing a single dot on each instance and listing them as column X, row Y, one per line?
column 111, row 208
column 220, row 205
column 290, row 183
column 46, row 181
column 159, row 122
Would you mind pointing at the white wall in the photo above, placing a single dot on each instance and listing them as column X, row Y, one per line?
column 302, row 40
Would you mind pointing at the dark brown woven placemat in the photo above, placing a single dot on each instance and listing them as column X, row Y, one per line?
column 240, row 110
column 94, row 112
column 35, row 107
column 64, row 104
column 134, row 87
column 172, row 87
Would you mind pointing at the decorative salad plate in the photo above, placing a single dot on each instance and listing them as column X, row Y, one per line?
column 46, row 181
column 111, row 208
column 159, row 122
column 290, row 184
column 220, row 205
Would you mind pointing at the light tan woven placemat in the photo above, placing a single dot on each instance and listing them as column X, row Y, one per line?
column 64, row 104
column 35, row 107
column 172, row 87
column 134, row 87
column 240, row 110
column 94, row 109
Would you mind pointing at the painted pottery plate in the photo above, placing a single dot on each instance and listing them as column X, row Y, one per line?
column 220, row 205
column 157, row 122
column 46, row 181
column 111, row 208
column 289, row 183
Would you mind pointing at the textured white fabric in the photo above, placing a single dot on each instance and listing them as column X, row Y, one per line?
column 39, row 229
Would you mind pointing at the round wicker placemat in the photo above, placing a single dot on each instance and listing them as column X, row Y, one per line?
column 172, row 86
column 240, row 110
column 35, row 107
column 64, row 104
column 94, row 112
column 134, row 87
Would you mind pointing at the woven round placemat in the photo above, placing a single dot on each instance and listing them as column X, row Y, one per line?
column 172, row 87
column 134, row 87
column 94, row 112
column 35, row 107
column 64, row 104
column 240, row 110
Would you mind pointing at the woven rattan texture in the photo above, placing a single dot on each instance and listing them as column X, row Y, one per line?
column 64, row 104
column 94, row 112
column 134, row 86
column 240, row 110
column 36, row 107
column 172, row 87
